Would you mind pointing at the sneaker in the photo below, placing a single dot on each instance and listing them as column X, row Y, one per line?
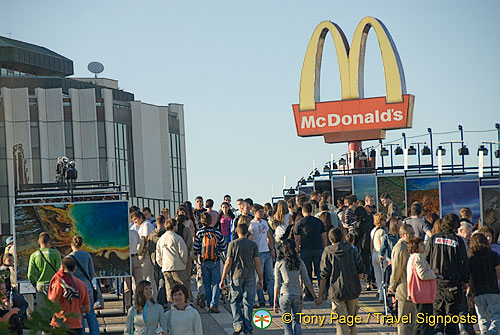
column 200, row 300
column 238, row 330
column 262, row 305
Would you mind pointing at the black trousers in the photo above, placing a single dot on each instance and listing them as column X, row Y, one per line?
column 448, row 302
column 424, row 328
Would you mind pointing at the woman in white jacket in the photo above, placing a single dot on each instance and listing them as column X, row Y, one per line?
column 182, row 318
column 416, row 249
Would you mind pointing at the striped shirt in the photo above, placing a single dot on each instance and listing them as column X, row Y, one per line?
column 198, row 240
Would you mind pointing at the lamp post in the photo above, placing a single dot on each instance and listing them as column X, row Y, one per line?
column 462, row 140
column 392, row 162
column 429, row 130
column 418, row 152
column 451, row 153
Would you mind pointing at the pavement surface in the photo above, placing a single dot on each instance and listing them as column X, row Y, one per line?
column 369, row 306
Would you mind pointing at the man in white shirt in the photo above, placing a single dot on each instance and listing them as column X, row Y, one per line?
column 259, row 228
column 144, row 230
column 128, row 284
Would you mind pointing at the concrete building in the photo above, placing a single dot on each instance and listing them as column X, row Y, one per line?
column 109, row 134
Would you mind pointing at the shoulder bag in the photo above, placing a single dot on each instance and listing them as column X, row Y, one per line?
column 94, row 291
column 421, row 291
column 46, row 261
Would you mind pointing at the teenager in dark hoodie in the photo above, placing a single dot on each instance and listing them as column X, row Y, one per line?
column 343, row 268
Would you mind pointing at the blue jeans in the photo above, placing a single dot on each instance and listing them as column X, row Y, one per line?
column 266, row 262
column 242, row 290
column 291, row 304
column 90, row 316
column 210, row 271
column 310, row 257
column 488, row 303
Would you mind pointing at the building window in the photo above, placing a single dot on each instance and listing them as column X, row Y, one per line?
column 101, row 141
column 123, row 156
column 176, row 174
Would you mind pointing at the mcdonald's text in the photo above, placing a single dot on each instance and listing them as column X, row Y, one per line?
column 353, row 115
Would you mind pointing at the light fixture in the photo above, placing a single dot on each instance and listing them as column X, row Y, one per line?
column 497, row 153
column 310, row 179
column 384, row 152
column 426, row 151
column 316, row 173
column 483, row 149
column 463, row 151
column 398, row 151
column 326, row 168
column 440, row 148
column 373, row 153
column 362, row 156
column 303, row 181
column 334, row 167
column 291, row 191
column 342, row 162
column 412, row 151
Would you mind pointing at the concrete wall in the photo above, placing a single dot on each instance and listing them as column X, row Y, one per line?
column 51, row 123
column 85, row 133
column 151, row 150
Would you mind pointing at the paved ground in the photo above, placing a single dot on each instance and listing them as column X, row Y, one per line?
column 222, row 323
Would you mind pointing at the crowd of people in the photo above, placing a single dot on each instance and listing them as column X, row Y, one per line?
column 441, row 274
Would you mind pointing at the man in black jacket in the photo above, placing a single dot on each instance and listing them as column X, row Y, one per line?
column 342, row 267
column 446, row 252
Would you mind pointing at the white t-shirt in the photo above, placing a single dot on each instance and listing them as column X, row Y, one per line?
column 134, row 240
column 280, row 230
column 259, row 231
column 376, row 235
column 145, row 229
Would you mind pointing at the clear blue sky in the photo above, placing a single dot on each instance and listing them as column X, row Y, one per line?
column 235, row 65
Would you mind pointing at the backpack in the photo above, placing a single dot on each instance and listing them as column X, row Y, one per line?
column 209, row 246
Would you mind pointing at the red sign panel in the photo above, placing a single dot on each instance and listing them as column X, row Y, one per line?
column 354, row 115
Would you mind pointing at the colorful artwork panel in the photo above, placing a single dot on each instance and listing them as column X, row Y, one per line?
column 104, row 227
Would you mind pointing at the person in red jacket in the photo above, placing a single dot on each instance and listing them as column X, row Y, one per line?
column 71, row 293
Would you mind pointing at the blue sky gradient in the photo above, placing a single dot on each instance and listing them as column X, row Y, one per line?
column 236, row 66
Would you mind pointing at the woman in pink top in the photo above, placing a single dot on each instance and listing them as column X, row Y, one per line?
column 225, row 221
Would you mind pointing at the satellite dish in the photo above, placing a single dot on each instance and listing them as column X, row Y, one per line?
column 95, row 68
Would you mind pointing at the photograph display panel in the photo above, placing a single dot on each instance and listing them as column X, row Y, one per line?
column 456, row 194
column 425, row 190
column 103, row 226
column 395, row 187
column 342, row 187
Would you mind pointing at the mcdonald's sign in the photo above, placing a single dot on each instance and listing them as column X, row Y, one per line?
column 354, row 118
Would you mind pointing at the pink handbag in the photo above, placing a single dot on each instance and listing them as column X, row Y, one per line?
column 421, row 291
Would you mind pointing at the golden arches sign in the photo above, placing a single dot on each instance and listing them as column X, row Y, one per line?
column 351, row 68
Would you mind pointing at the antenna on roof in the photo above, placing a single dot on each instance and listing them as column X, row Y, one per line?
column 95, row 68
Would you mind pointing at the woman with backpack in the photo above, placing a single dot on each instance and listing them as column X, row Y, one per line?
column 419, row 271
column 85, row 272
column 145, row 316
column 389, row 240
column 289, row 272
